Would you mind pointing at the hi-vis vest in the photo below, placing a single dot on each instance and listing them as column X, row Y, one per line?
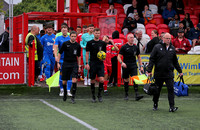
column 27, row 47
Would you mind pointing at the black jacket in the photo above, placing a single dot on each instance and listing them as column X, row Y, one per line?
column 4, row 42
column 127, row 24
column 151, row 44
column 164, row 60
column 131, row 10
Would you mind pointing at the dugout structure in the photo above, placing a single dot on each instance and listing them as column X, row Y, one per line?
column 107, row 24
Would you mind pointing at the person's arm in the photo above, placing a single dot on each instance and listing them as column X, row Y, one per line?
column 188, row 46
column 119, row 58
column 176, row 65
column 30, row 40
column 140, row 63
column 115, row 48
column 164, row 14
column 55, row 48
column 58, row 61
column 82, row 41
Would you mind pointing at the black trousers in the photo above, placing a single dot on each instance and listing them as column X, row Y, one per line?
column 170, row 87
column 114, row 70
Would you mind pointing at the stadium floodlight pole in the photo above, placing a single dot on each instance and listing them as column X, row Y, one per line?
column 10, row 25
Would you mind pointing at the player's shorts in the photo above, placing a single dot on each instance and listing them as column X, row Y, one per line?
column 107, row 70
column 69, row 69
column 96, row 68
column 131, row 70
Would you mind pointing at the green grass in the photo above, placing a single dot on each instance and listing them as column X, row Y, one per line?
column 23, row 110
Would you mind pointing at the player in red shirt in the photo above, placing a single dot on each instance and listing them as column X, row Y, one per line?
column 107, row 62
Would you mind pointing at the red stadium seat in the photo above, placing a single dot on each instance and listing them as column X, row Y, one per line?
column 158, row 18
column 149, row 28
column 188, row 11
column 194, row 19
column 120, row 11
column 103, row 10
column 95, row 10
column 116, row 5
column 181, row 17
column 151, row 1
column 94, row 5
column 121, row 18
column 104, row 5
column 162, row 28
column 197, row 11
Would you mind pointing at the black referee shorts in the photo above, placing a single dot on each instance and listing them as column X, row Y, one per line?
column 96, row 68
column 69, row 69
column 131, row 70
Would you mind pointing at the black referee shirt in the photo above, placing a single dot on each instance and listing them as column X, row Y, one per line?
column 129, row 53
column 71, row 51
column 94, row 47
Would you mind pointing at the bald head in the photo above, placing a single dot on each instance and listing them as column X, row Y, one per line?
column 130, row 38
column 167, row 38
column 35, row 30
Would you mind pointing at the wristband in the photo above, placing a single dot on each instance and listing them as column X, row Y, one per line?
column 121, row 62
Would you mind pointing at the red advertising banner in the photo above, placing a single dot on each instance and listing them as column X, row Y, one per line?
column 12, row 68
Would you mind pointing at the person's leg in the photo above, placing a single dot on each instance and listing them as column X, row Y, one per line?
column 74, row 87
column 125, row 76
column 100, row 74
column 115, row 70
column 170, row 88
column 60, row 81
column 159, row 83
column 92, row 77
column 125, row 31
column 84, row 70
column 64, row 82
column 47, row 67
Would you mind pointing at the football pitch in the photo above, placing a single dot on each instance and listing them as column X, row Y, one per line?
column 24, row 108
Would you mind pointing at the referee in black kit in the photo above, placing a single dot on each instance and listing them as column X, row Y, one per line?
column 165, row 60
column 129, row 66
column 96, row 66
column 72, row 52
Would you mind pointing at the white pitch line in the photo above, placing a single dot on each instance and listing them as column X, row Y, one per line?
column 68, row 115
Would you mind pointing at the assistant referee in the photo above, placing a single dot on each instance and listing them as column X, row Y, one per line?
column 71, row 66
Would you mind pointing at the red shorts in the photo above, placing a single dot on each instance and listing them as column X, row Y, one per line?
column 107, row 70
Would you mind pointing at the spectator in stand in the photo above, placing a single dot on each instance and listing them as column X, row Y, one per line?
column 194, row 34
column 4, row 41
column 129, row 24
column 142, row 3
column 118, row 42
column 155, row 40
column 111, row 10
column 174, row 25
column 148, row 15
column 187, row 22
column 162, row 5
column 178, row 5
column 181, row 44
column 136, row 11
column 140, row 41
column 168, row 13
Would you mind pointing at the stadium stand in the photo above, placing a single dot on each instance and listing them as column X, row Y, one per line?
column 141, row 27
column 126, row 7
column 158, row 18
column 194, row 19
column 153, row 8
column 149, row 28
column 121, row 18
column 162, row 28
column 181, row 17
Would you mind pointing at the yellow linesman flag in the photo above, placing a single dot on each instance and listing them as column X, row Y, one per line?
column 53, row 81
column 140, row 79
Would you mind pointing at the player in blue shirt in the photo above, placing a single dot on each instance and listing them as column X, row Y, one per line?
column 57, row 46
column 48, row 59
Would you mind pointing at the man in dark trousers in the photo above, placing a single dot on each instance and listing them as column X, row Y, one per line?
column 71, row 66
column 96, row 66
column 129, row 64
column 165, row 60
column 4, row 41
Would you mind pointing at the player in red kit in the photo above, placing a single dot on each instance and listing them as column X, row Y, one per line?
column 107, row 62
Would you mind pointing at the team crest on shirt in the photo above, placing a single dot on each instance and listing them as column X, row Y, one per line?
column 93, row 43
column 100, row 48
column 68, row 45
column 170, row 49
column 75, row 52
column 184, row 44
column 161, row 49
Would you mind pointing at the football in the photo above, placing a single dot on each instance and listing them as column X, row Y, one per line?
column 101, row 55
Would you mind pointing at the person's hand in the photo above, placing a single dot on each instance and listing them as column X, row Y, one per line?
column 142, row 70
column 123, row 65
column 143, row 48
column 58, row 65
column 149, row 74
column 79, row 69
column 87, row 67
column 56, row 58
column 181, row 75
column 183, row 48
column 177, row 49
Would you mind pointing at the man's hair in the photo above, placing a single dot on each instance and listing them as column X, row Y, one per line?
column 71, row 28
column 96, row 29
column 78, row 27
column 155, row 31
column 91, row 25
column 84, row 26
column 73, row 32
column 64, row 26
column 48, row 26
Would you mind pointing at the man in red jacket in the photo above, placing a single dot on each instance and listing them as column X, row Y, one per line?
column 181, row 44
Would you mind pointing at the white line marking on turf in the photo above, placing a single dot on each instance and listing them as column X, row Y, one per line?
column 70, row 116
